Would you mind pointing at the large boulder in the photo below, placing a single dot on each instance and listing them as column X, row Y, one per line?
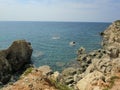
column 84, row 84
column 19, row 54
column 103, row 65
column 70, row 76
column 85, row 59
column 14, row 58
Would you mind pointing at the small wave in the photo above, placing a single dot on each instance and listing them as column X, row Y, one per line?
column 37, row 53
column 55, row 37
column 60, row 64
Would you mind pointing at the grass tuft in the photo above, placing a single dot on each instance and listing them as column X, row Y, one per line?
column 27, row 71
column 59, row 85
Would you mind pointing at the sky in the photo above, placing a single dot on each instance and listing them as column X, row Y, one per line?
column 60, row 10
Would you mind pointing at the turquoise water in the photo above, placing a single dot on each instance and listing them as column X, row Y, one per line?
column 50, row 40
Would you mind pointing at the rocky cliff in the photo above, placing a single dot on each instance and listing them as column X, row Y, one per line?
column 100, row 68
column 14, row 58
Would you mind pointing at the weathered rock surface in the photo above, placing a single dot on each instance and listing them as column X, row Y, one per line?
column 19, row 53
column 5, row 70
column 111, row 39
column 105, row 61
column 70, row 76
column 32, row 79
column 46, row 70
column 14, row 58
column 84, row 83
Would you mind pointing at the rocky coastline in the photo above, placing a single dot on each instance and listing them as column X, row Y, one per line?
column 97, row 70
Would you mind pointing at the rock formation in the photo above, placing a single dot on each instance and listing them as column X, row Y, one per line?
column 33, row 79
column 14, row 58
column 99, row 66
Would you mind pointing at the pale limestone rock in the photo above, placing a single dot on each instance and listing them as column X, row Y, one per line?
column 86, row 81
column 46, row 70
column 55, row 76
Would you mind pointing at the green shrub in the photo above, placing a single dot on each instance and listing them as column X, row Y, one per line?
column 106, row 89
column 27, row 71
column 59, row 85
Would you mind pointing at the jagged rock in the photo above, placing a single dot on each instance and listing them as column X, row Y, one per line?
column 104, row 65
column 14, row 58
column 19, row 54
column 34, row 80
column 81, row 50
column 114, row 52
column 56, row 76
column 111, row 39
column 90, row 69
column 69, row 71
column 69, row 80
column 46, row 70
column 115, row 66
column 105, row 61
column 69, row 76
column 84, row 83
column 86, row 59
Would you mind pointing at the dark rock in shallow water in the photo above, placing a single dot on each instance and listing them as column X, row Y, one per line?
column 14, row 58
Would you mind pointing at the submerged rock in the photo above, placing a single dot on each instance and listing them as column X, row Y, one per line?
column 73, row 43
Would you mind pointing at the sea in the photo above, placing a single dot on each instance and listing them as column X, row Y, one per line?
column 51, row 41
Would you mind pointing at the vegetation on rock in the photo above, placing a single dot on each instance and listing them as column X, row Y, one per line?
column 59, row 85
column 117, row 21
column 27, row 71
